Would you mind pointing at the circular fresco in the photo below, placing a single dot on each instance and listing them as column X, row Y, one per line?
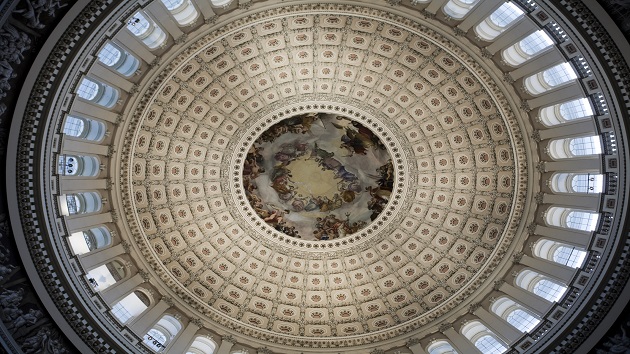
column 318, row 176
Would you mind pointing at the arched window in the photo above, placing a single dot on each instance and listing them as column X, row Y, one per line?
column 80, row 203
column 515, row 314
column 89, row 240
column 527, row 48
column 540, row 285
column 98, row 93
column 574, row 147
column 118, row 59
column 565, row 182
column 486, row 341
column 457, row 9
column 84, row 128
column 558, row 252
column 146, row 30
column 162, row 333
column 565, row 112
column 130, row 306
column 546, row 80
column 106, row 275
column 572, row 218
column 183, row 11
column 73, row 165
column 441, row 347
column 500, row 20
column 202, row 345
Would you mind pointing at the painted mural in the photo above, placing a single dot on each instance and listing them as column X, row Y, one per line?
column 318, row 176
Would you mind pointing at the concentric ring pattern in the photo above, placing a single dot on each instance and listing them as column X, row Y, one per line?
column 459, row 185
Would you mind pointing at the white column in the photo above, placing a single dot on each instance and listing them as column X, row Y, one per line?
column 117, row 291
column 435, row 6
column 85, row 222
column 95, row 258
column 478, row 14
column 582, row 201
column 530, row 300
column 575, row 165
column 71, row 144
column 417, row 349
column 498, row 326
column 184, row 339
column 537, row 64
column 73, row 184
column 562, row 94
column 205, row 8
column 133, row 46
column 225, row 346
column 87, row 109
column 515, row 33
column 143, row 323
column 163, row 17
column 111, row 77
column 459, row 342
column 553, row 269
column 573, row 237
column 582, row 127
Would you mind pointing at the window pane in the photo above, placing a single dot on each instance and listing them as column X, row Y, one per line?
column 582, row 220
column 73, row 126
column 549, row 290
column 522, row 320
column 109, row 55
column 569, row 256
column 576, row 109
column 587, row 183
column 138, row 24
column 88, row 89
column 155, row 340
column 588, row 145
column 505, row 14
column 535, row 42
column 172, row 4
column 489, row 345
column 559, row 74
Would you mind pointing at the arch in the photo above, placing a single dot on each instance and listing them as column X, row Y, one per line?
column 574, row 147
column 106, row 275
column 527, row 48
column 441, row 347
column 80, row 203
column 98, row 93
column 569, row 182
column 183, row 11
column 141, row 26
column 558, row 252
column 548, row 79
column 89, row 240
column 577, row 219
column 540, row 285
column 84, row 128
column 565, row 112
column 75, row 165
column 486, row 341
column 202, row 345
column 131, row 306
column 118, row 59
column 162, row 333
column 515, row 314
column 498, row 21
column 457, row 9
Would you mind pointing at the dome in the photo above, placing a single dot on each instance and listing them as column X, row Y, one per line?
column 301, row 177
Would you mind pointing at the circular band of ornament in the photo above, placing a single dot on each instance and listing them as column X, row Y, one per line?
column 229, row 174
column 380, row 130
